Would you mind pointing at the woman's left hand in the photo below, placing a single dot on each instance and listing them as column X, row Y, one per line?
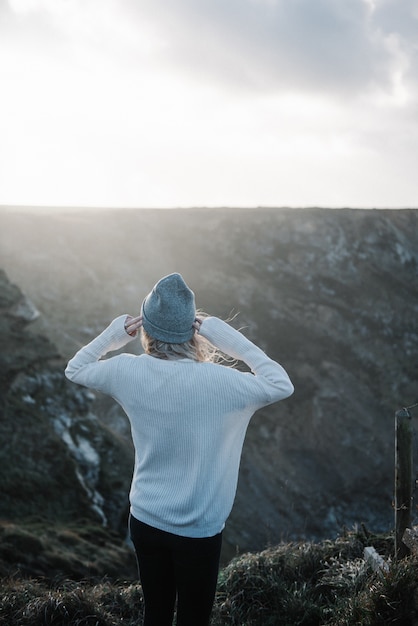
column 132, row 325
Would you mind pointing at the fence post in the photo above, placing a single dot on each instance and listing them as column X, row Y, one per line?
column 403, row 479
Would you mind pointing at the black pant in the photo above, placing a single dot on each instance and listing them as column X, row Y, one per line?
column 170, row 566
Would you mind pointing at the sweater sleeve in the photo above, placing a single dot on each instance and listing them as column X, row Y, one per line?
column 84, row 368
column 230, row 341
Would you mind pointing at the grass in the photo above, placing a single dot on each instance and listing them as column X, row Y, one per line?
column 316, row 585
column 306, row 584
column 33, row 603
column 40, row 549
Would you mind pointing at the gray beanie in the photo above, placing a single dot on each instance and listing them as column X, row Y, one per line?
column 168, row 312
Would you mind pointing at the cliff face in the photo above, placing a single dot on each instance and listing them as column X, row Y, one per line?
column 332, row 295
column 56, row 461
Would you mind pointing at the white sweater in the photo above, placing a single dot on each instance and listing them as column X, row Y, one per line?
column 188, row 421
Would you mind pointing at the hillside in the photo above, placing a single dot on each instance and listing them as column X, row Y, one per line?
column 57, row 459
column 333, row 295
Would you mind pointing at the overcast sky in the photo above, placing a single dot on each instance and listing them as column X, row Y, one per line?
column 166, row 103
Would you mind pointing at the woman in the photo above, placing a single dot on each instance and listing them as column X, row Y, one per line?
column 188, row 417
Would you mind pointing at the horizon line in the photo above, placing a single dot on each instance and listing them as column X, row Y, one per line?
column 81, row 207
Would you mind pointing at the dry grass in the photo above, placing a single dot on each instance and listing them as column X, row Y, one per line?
column 83, row 550
column 33, row 603
column 309, row 584
column 326, row 584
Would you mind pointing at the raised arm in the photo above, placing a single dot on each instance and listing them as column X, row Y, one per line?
column 233, row 343
column 81, row 368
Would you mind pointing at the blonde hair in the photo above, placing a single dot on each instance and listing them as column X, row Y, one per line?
column 197, row 348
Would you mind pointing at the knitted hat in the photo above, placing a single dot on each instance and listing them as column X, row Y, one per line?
column 168, row 312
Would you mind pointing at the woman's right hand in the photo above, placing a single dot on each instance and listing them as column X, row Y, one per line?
column 132, row 325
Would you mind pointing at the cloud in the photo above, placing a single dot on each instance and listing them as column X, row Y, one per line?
column 264, row 46
column 327, row 46
column 271, row 45
column 145, row 102
column 399, row 21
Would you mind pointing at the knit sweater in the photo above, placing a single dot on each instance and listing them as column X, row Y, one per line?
column 188, row 422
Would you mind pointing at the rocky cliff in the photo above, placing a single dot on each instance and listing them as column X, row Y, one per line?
column 331, row 294
column 57, row 462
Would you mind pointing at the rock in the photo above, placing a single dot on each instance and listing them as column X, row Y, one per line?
column 375, row 560
column 410, row 539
